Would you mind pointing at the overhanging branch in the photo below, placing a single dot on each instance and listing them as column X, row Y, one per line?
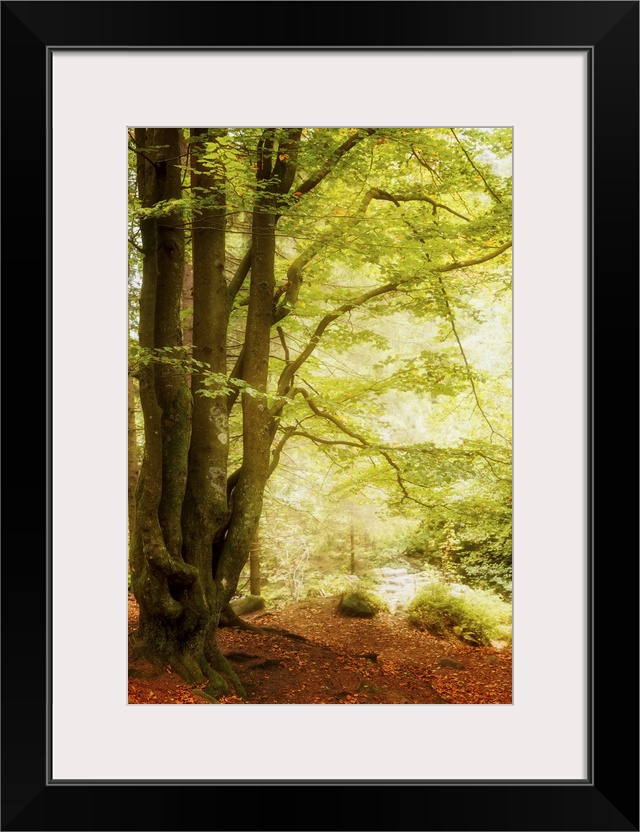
column 479, row 172
column 291, row 369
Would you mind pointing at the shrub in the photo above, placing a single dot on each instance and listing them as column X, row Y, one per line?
column 477, row 615
column 321, row 585
column 359, row 603
column 477, row 551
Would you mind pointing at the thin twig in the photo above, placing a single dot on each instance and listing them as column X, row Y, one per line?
column 479, row 172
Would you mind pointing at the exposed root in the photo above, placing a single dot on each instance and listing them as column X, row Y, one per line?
column 286, row 633
column 188, row 668
column 222, row 668
column 217, row 685
column 156, row 670
column 230, row 618
column 205, row 695
column 198, row 661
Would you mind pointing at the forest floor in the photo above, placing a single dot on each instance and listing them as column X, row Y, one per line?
column 317, row 656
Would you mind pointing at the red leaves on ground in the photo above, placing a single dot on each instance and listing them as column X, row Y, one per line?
column 343, row 661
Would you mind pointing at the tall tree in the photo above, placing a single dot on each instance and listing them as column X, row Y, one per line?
column 254, row 566
column 361, row 223
column 133, row 466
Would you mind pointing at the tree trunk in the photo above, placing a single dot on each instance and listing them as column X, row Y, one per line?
column 254, row 565
column 133, row 467
column 248, row 493
column 206, row 513
column 191, row 540
column 187, row 314
column 167, row 633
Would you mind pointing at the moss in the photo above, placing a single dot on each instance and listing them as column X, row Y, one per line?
column 358, row 604
column 247, row 604
column 476, row 617
column 205, row 695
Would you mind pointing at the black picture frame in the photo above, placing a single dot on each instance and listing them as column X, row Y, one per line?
column 608, row 798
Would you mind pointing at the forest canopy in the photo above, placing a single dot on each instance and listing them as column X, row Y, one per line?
column 319, row 369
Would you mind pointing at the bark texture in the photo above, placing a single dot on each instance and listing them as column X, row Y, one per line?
column 133, row 464
column 254, row 566
column 196, row 524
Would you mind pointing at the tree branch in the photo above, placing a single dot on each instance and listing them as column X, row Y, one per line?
column 320, row 441
column 363, row 442
column 143, row 155
column 417, row 197
column 305, row 187
column 291, row 369
column 452, row 321
column 434, row 173
column 331, row 162
column 239, row 277
column 479, row 172
column 291, row 289
column 275, row 454
column 135, row 245
column 284, row 344
column 465, row 264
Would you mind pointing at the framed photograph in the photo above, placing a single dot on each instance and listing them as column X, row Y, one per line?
column 88, row 83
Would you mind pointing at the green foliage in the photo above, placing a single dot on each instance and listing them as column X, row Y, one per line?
column 322, row 584
column 475, row 616
column 468, row 536
column 474, row 547
column 360, row 603
column 406, row 418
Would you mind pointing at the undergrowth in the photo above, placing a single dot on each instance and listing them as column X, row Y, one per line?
column 476, row 615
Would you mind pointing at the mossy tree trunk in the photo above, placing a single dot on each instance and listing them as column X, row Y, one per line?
column 195, row 523
column 254, row 566
column 187, row 314
column 159, row 572
column 133, row 465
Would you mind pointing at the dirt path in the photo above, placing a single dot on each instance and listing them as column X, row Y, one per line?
column 339, row 660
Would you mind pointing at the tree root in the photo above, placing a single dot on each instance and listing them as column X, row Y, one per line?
column 157, row 670
column 230, row 618
column 199, row 663
column 222, row 668
column 205, row 695
column 286, row 633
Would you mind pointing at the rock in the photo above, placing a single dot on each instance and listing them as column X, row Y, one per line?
column 399, row 582
column 247, row 604
column 447, row 662
column 470, row 639
column 356, row 605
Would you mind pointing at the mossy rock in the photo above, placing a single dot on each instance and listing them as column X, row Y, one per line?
column 357, row 605
column 247, row 604
column 473, row 640
column 445, row 661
